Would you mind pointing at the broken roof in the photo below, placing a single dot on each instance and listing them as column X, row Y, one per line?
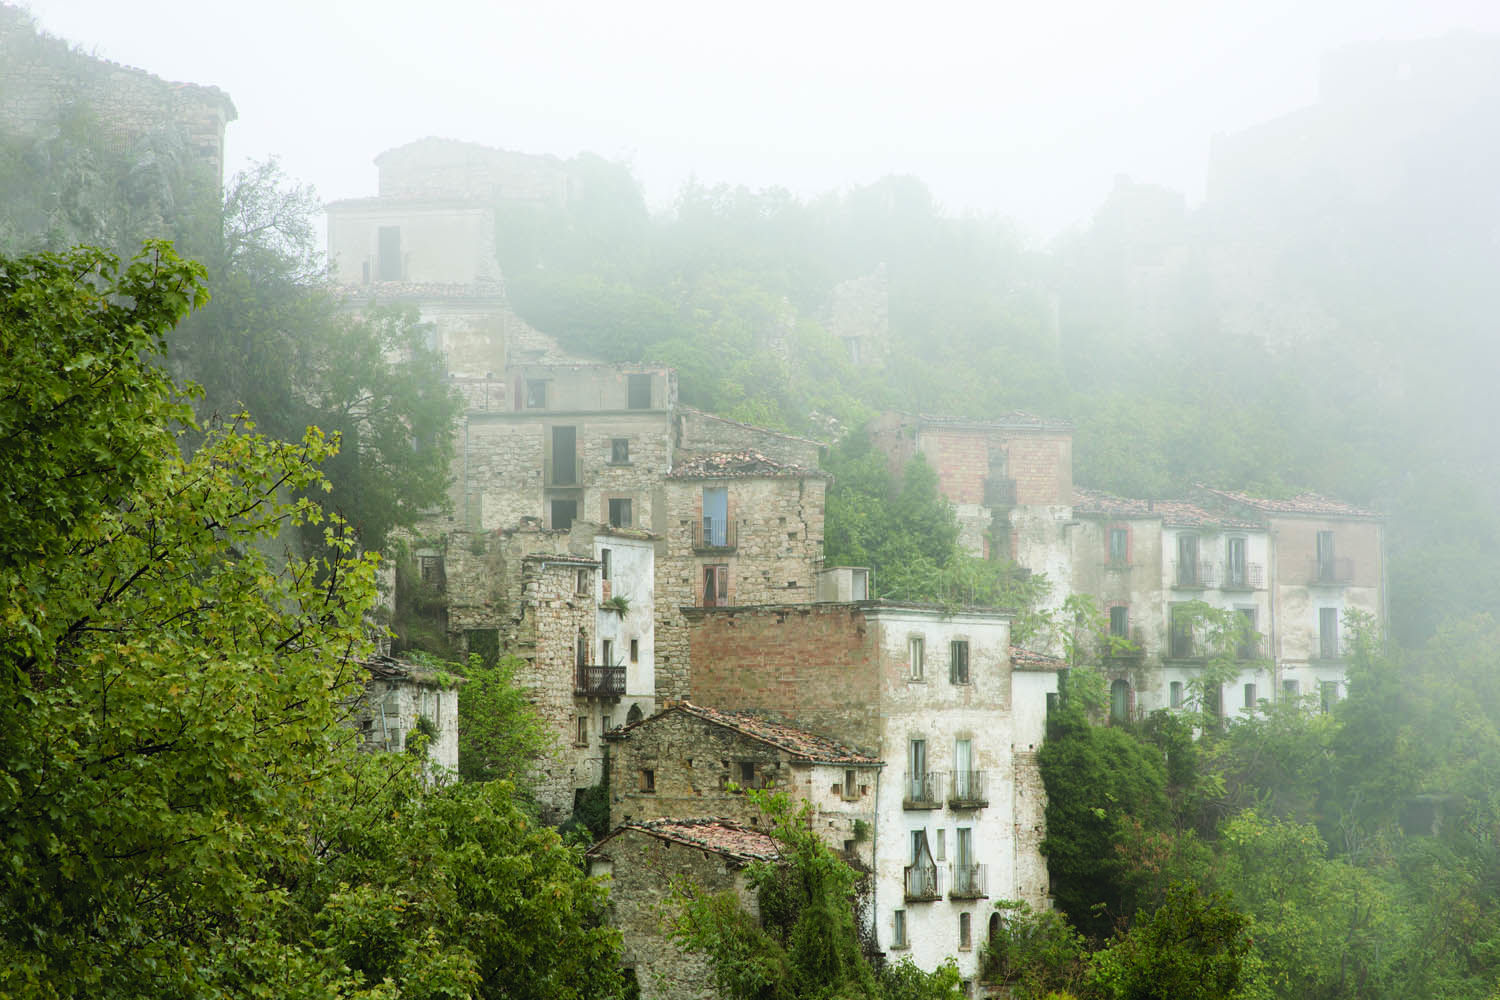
column 741, row 465
column 717, row 835
column 801, row 745
column 1303, row 504
column 1173, row 513
column 1026, row 659
column 388, row 668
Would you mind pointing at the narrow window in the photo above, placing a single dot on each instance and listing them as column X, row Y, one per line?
column 1328, row 695
column 914, row 647
column 583, row 731
column 964, row 942
column 619, row 451
column 1176, row 695
column 536, row 395
column 605, row 724
column 916, row 765
column 1249, row 695
column 433, row 573
column 716, row 516
column 1119, row 700
column 1119, row 546
column 581, row 581
column 607, row 652
column 958, row 661
column 604, row 564
column 648, row 780
column 942, row 844
column 1249, row 644
column 1181, row 633
column 898, row 932
column 388, row 266
column 747, row 774
column 619, row 513
column 964, row 779
column 1234, row 563
column 564, row 456
column 1328, row 633
column 1119, row 621
column 1327, row 570
column 1187, row 561
column 851, row 786
column 715, row 586
column 635, row 651
column 639, row 392
column 1290, row 688
column 859, row 585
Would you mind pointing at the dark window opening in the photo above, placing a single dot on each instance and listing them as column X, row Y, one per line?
column 635, row 651
column 619, row 451
column 958, row 661
column 1119, row 621
column 564, row 513
column 564, row 456
column 1249, row 644
column 536, row 395
column 715, row 586
column 639, row 391
column 483, row 643
column 604, row 564
column 1187, row 561
column 619, row 513
column 648, row 779
column 1328, row 633
column 1119, row 546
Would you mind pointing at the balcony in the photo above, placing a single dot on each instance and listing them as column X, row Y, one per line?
column 999, row 492
column 1332, row 572
column 714, row 536
column 596, row 680
column 1192, row 575
column 1246, row 576
column 922, row 883
column 923, row 791
column 969, row 882
column 969, row 791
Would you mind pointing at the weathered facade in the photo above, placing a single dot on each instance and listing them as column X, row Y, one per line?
column 642, row 862
column 935, row 694
column 397, row 697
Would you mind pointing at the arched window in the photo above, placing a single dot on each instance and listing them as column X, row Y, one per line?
column 634, row 715
column 1119, row 701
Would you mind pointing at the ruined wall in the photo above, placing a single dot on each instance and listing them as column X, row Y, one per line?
column 777, row 545
column 641, row 870
column 386, row 715
column 859, row 314
column 446, row 168
column 700, row 433
column 813, row 666
column 443, row 242
column 45, row 82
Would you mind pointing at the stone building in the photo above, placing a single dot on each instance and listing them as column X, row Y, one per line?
column 643, row 861
column 936, row 694
column 397, row 698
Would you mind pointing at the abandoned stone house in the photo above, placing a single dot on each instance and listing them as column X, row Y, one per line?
column 401, row 699
column 644, row 861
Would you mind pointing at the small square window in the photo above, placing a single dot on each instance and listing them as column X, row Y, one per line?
column 619, row 451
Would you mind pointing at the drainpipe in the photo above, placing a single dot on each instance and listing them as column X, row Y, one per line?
column 1277, row 673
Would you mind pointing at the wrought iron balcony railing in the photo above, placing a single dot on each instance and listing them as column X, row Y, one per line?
column 923, row 883
column 969, row 790
column 600, row 680
column 969, row 882
column 924, row 791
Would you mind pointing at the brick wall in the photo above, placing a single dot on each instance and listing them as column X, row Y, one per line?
column 815, row 667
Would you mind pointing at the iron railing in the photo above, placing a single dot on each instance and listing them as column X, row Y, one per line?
column 969, row 882
column 712, row 534
column 924, row 790
column 968, row 791
column 600, row 680
column 923, row 883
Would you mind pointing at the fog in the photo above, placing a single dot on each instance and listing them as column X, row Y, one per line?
column 1022, row 109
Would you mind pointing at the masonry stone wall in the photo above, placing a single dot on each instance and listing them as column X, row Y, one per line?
column 641, row 870
column 700, row 433
column 859, row 315
column 777, row 548
column 387, row 711
column 813, row 666
column 44, row 81
column 447, row 168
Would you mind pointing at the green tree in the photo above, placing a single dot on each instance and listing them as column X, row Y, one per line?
column 1194, row 947
column 1034, row 953
column 500, row 735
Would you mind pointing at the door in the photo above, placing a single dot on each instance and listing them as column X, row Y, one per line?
column 963, row 769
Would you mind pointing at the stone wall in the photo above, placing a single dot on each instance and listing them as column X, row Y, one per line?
column 386, row 715
column 699, row 433
column 777, row 546
column 446, row 168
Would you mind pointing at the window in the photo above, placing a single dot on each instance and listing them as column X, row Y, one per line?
column 639, row 392
column 958, row 661
column 964, row 847
column 1181, row 638
column 484, row 643
column 1119, row 700
column 536, row 395
column 898, row 929
column 916, row 768
column 564, row 456
column 648, row 779
column 1249, row 644
column 965, row 781
column 604, row 564
column 965, row 941
column 715, row 586
column 1119, row 545
column 607, row 652
column 635, row 651
column 716, row 516
column 563, row 514
column 583, row 731
column 619, row 513
column 619, row 451
column 1234, row 563
column 859, row 585
column 851, row 784
column 1249, row 695
column 747, row 774
column 388, row 261
column 1328, row 633
column 605, row 724
column 1326, row 566
column 581, row 581
column 942, row 844
column 916, row 651
column 1119, row 621
column 1290, row 688
column 1187, row 561
column 1328, row 695
column 432, row 571
column 1176, row 694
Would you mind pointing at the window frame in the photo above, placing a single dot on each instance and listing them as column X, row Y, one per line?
column 959, row 674
column 916, row 653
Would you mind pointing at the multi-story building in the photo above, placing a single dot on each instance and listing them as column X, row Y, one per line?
column 938, row 696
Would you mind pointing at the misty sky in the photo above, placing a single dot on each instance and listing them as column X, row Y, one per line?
column 1027, row 109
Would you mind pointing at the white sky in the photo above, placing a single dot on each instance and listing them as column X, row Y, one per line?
column 1027, row 109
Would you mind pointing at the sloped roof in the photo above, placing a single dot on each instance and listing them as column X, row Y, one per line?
column 741, row 465
column 1175, row 513
column 1025, row 659
column 1087, row 501
column 388, row 668
column 802, row 745
column 754, row 427
column 717, row 835
column 1015, row 420
column 1305, row 504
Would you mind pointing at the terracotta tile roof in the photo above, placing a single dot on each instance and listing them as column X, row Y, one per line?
column 741, row 465
column 1306, row 504
column 717, row 835
column 1025, row 659
column 802, row 745
column 1174, row 513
